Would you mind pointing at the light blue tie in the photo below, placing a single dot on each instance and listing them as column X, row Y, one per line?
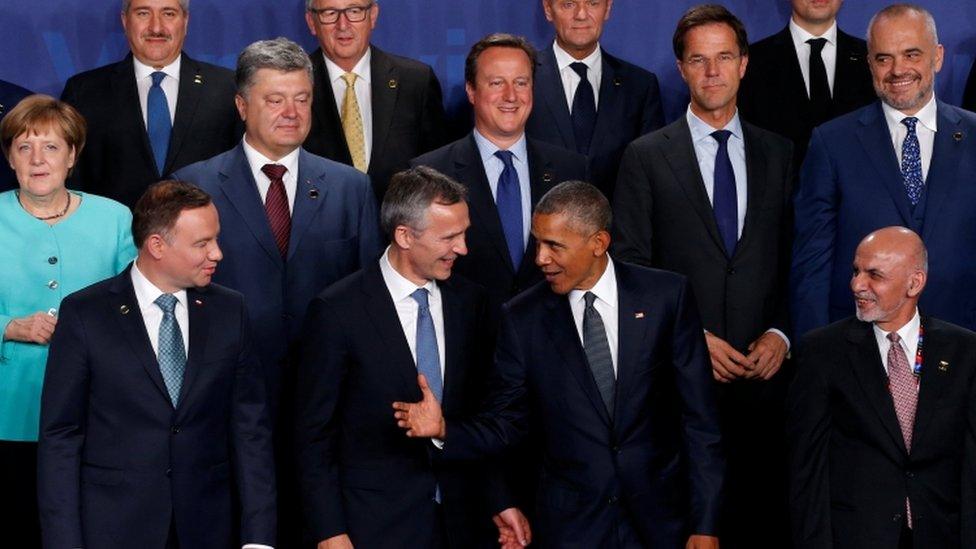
column 172, row 353
column 158, row 122
column 911, row 161
column 428, row 360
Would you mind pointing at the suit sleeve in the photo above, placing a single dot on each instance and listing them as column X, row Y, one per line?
column 808, row 432
column 781, row 320
column 632, row 210
column 433, row 120
column 321, row 373
column 64, row 407
column 653, row 118
column 253, row 454
column 370, row 239
column 815, row 208
column 700, row 422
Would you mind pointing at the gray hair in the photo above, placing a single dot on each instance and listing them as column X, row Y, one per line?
column 410, row 194
column 185, row 4
column 587, row 208
column 310, row 3
column 896, row 10
column 280, row 54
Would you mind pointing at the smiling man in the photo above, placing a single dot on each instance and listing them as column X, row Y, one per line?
column 155, row 111
column 905, row 160
column 882, row 415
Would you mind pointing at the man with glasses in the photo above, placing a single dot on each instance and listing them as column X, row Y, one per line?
column 372, row 110
column 708, row 197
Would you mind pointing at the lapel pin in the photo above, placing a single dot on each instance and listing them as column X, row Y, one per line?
column 2, row 108
column 639, row 314
column 198, row 303
column 617, row 82
column 392, row 84
column 124, row 309
column 197, row 79
column 943, row 366
column 547, row 177
column 313, row 193
column 957, row 136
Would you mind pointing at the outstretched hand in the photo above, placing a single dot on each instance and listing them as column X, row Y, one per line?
column 422, row 419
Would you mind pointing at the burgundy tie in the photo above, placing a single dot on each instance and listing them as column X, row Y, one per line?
column 904, row 391
column 276, row 206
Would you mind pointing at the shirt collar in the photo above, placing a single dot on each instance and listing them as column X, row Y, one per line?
column 145, row 71
column 256, row 160
column 147, row 292
column 399, row 287
column 908, row 333
column 701, row 130
column 605, row 288
column 927, row 115
column 487, row 149
column 361, row 70
column 564, row 59
column 800, row 35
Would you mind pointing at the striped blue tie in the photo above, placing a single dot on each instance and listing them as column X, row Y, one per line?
column 597, row 349
column 172, row 353
column 159, row 125
column 428, row 360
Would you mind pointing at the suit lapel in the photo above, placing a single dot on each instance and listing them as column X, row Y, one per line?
column 385, row 88
column 471, row 172
column 943, row 177
column 383, row 315
column 875, row 138
column 756, row 183
column 325, row 112
column 190, row 91
column 632, row 331
column 792, row 75
column 870, row 373
column 125, row 308
column 198, row 313
column 237, row 184
column 454, row 329
column 311, row 191
column 541, row 179
column 126, row 95
column 612, row 95
column 849, row 67
column 550, row 85
column 935, row 377
column 687, row 175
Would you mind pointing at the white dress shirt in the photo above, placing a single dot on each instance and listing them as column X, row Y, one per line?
column 828, row 54
column 406, row 307
column 925, row 130
column 257, row 160
column 170, row 85
column 594, row 73
column 493, row 170
column 605, row 303
column 909, row 340
column 364, row 95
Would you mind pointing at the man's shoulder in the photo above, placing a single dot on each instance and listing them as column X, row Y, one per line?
column 642, row 279
column 99, row 293
column 347, row 291
column 842, row 126
column 11, row 93
column 202, row 173
column 561, row 156
column 406, row 66
column 774, row 142
column 439, row 157
column 662, row 137
column 771, row 46
column 311, row 166
column 851, row 43
column 629, row 73
column 951, row 331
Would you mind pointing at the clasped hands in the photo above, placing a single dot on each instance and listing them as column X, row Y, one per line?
column 765, row 357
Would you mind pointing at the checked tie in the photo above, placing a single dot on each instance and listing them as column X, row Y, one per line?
column 352, row 123
column 276, row 206
column 904, row 392
column 172, row 353
column 911, row 161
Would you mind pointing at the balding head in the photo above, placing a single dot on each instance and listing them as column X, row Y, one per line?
column 890, row 270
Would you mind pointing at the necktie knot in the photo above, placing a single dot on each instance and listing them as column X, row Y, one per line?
column 506, row 158
column 580, row 68
column 893, row 337
column 157, row 78
column 910, row 122
column 274, row 171
column 722, row 136
column 420, row 296
column 589, row 298
column 166, row 302
column 349, row 78
column 817, row 45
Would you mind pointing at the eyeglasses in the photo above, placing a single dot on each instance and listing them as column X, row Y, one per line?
column 329, row 16
column 700, row 61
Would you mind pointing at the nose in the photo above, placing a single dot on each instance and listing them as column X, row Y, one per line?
column 342, row 22
column 461, row 248
column 508, row 92
column 711, row 66
column 580, row 12
column 155, row 23
column 541, row 256
column 215, row 253
column 290, row 109
column 857, row 282
column 36, row 156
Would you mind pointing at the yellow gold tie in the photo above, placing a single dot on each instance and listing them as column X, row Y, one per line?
column 352, row 123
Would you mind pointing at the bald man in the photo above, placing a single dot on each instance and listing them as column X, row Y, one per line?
column 881, row 426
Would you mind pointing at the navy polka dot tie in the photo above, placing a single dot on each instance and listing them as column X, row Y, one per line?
column 911, row 162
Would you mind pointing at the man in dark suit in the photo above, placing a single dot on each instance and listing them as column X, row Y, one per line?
column 293, row 224
column 599, row 113
column 154, row 426
column 882, row 428
column 709, row 197
column 10, row 95
column 505, row 172
column 904, row 160
column 804, row 75
column 363, row 483
column 390, row 111
column 606, row 365
column 155, row 111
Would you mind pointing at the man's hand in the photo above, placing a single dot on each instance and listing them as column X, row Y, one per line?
column 341, row 541
column 698, row 541
column 513, row 529
column 767, row 353
column 424, row 418
column 727, row 363
column 35, row 328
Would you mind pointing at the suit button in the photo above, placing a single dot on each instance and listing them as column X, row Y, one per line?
column 175, row 429
column 616, row 449
column 612, row 500
column 169, row 473
column 731, row 271
column 53, row 284
column 896, row 517
column 52, row 260
column 909, row 474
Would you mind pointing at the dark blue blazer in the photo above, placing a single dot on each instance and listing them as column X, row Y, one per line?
column 10, row 95
column 629, row 107
column 657, row 461
column 851, row 184
column 334, row 232
column 117, row 464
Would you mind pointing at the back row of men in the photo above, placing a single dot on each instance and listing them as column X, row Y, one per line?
column 709, row 196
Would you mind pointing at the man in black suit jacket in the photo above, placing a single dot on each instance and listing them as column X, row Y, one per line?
column 622, row 100
column 783, row 90
column 498, row 79
column 606, row 366
column 154, row 426
column 882, row 427
column 121, row 156
column 670, row 215
column 363, row 482
column 10, row 95
column 398, row 100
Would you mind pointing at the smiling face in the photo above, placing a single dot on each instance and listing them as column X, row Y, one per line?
column 276, row 111
column 886, row 281
column 41, row 159
column 568, row 258
column 188, row 254
column 343, row 42
column 501, row 94
column 155, row 30
column 429, row 254
column 578, row 23
column 904, row 57
column 712, row 67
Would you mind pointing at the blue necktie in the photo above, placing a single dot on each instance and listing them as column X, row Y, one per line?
column 911, row 161
column 428, row 360
column 172, row 353
column 508, row 200
column 158, row 123
column 597, row 349
column 724, row 201
column 584, row 110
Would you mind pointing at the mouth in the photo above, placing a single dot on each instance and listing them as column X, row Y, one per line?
column 40, row 174
column 902, row 82
column 551, row 275
column 508, row 109
column 863, row 302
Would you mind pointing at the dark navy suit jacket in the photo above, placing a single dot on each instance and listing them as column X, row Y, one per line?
column 851, row 184
column 10, row 95
column 117, row 464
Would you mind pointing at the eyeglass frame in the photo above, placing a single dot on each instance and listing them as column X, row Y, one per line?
column 319, row 13
column 699, row 62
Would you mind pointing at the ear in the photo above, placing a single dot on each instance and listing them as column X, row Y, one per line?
column 241, row 104
column 403, row 237
column 156, row 246
column 547, row 9
column 743, row 63
column 469, row 89
column 310, row 21
column 917, row 283
column 71, row 158
column 601, row 242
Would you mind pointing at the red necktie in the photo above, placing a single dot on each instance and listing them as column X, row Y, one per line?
column 904, row 392
column 276, row 206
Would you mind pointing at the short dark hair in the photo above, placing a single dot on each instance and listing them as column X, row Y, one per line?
column 159, row 207
column 708, row 14
column 496, row 40
column 411, row 192
column 588, row 209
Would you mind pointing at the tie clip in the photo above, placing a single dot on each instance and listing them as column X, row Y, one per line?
column 943, row 366
column 198, row 303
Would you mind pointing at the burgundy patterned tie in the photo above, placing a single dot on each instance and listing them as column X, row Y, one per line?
column 276, row 206
column 904, row 391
